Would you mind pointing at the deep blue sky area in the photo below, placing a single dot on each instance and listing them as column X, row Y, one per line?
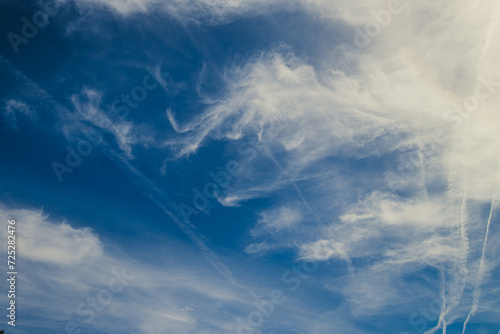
column 244, row 166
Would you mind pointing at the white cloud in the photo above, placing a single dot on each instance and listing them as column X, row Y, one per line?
column 13, row 107
column 275, row 220
column 59, row 243
column 270, row 227
column 64, row 266
column 430, row 58
column 400, row 90
column 90, row 110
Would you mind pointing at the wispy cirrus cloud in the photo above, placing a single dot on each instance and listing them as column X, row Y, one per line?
column 13, row 108
column 425, row 84
column 177, row 298
column 408, row 83
column 89, row 108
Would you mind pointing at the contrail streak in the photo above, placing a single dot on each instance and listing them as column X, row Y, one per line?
column 480, row 274
column 149, row 187
column 462, row 265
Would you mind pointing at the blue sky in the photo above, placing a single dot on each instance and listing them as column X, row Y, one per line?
column 247, row 166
